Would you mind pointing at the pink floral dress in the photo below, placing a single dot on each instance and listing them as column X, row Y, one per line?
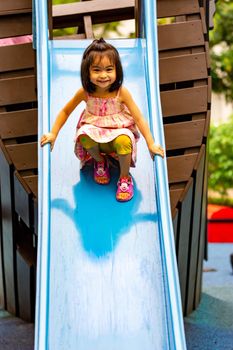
column 103, row 120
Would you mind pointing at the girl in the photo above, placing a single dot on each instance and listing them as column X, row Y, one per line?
column 110, row 121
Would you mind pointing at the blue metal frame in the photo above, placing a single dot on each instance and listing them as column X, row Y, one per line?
column 43, row 88
column 161, row 177
column 172, row 291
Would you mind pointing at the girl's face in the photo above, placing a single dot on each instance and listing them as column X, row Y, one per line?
column 102, row 73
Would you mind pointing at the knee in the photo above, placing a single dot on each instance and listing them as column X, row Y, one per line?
column 86, row 141
column 123, row 144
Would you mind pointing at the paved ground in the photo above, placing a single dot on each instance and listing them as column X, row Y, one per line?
column 210, row 327
column 14, row 333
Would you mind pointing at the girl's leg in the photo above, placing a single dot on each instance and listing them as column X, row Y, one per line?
column 95, row 153
column 124, row 160
column 123, row 147
column 101, row 167
column 92, row 147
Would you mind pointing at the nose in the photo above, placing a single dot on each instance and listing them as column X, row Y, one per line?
column 103, row 74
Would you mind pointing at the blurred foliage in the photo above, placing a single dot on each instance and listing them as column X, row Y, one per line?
column 57, row 2
column 166, row 20
column 221, row 201
column 220, row 166
column 221, row 44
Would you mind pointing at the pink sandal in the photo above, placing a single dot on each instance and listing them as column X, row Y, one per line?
column 125, row 190
column 101, row 172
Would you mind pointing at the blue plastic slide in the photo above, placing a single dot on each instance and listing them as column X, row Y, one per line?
column 107, row 274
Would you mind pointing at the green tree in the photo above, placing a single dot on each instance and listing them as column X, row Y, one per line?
column 221, row 157
column 221, row 44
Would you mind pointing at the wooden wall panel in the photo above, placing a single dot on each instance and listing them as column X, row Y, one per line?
column 180, row 35
column 26, row 288
column 183, row 68
column 24, row 156
column 184, row 135
column 32, row 183
column 15, row 57
column 175, row 194
column 2, row 277
column 8, row 233
column 181, row 101
column 195, row 231
column 15, row 5
column 183, row 238
column 175, row 215
column 17, row 90
column 180, row 167
column 18, row 123
column 23, row 200
column 203, row 241
column 15, row 25
column 168, row 8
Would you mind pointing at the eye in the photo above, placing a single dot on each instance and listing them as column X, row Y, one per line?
column 109, row 69
column 95, row 69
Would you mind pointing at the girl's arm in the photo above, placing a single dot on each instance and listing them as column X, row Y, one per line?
column 141, row 123
column 62, row 117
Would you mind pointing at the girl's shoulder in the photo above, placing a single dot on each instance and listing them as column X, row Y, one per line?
column 83, row 93
column 123, row 94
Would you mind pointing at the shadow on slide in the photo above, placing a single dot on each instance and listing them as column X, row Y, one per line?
column 97, row 204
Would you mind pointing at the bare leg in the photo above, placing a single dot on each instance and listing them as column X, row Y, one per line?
column 95, row 153
column 124, row 161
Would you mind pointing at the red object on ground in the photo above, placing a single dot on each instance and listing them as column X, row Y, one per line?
column 220, row 224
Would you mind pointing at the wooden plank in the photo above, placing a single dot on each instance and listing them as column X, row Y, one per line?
column 32, row 183
column 15, row 25
column 175, row 217
column 8, row 231
column 180, row 168
column 17, row 90
column 169, row 8
column 26, row 277
column 180, row 35
column 195, row 230
column 184, row 135
column 183, row 68
column 24, row 156
column 101, row 11
column 15, row 57
column 88, row 27
column 14, row 6
column 2, row 277
column 203, row 242
column 23, row 200
column 183, row 238
column 180, row 102
column 18, row 123
column 26, row 261
column 35, row 211
column 175, row 194
column 207, row 124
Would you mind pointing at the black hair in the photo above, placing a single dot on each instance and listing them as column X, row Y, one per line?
column 102, row 48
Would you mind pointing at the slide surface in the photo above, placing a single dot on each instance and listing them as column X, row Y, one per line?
column 104, row 280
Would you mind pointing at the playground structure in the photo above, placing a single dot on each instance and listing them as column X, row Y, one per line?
column 185, row 97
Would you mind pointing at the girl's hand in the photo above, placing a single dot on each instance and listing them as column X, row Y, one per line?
column 48, row 138
column 156, row 150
